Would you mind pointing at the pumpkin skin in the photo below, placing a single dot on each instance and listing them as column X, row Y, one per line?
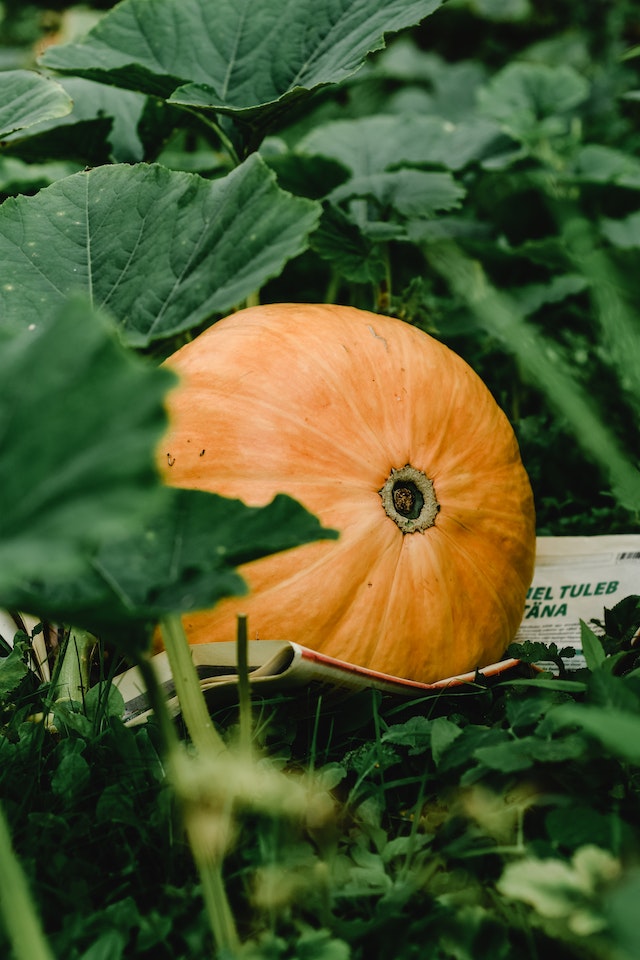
column 323, row 402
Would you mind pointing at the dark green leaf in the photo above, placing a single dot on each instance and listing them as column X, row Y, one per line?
column 507, row 757
column 72, row 772
column 414, row 734
column 162, row 250
column 13, row 670
column 340, row 242
column 79, row 421
column 577, row 825
column 234, row 56
column 27, row 98
column 443, row 733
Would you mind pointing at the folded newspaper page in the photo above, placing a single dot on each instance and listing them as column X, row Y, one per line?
column 276, row 666
column 575, row 579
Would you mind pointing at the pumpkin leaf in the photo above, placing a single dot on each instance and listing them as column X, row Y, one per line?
column 79, row 420
column 29, row 98
column 374, row 144
column 340, row 241
column 408, row 193
column 530, row 99
column 105, row 117
column 233, row 57
column 596, row 163
column 162, row 250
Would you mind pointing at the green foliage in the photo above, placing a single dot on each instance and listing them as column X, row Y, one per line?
column 161, row 250
column 28, row 98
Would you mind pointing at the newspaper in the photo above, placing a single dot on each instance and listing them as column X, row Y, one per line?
column 276, row 666
column 575, row 579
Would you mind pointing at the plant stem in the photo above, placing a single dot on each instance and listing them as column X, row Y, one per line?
column 209, row 866
column 72, row 678
column 16, row 906
column 217, row 906
column 244, row 687
column 225, row 140
column 204, row 735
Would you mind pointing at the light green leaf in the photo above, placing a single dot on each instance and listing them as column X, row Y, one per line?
column 503, row 10
column 595, row 163
column 591, row 647
column 530, row 100
column 536, row 295
column 27, row 98
column 374, row 144
column 80, row 418
column 560, row 890
column 624, row 233
column 234, row 56
column 162, row 250
column 19, row 177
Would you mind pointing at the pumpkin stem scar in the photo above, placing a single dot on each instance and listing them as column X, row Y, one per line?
column 409, row 499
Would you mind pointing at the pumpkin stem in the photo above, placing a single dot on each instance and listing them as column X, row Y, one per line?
column 409, row 499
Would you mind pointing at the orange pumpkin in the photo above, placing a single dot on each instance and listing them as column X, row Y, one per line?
column 389, row 437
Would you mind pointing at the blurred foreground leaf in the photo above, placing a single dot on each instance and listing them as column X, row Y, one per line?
column 180, row 559
column 79, row 420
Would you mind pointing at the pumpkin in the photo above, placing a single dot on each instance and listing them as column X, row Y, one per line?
column 386, row 435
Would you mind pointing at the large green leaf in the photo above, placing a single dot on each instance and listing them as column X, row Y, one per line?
column 80, row 417
column 182, row 558
column 162, row 250
column 374, row 144
column 27, row 98
column 234, row 55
